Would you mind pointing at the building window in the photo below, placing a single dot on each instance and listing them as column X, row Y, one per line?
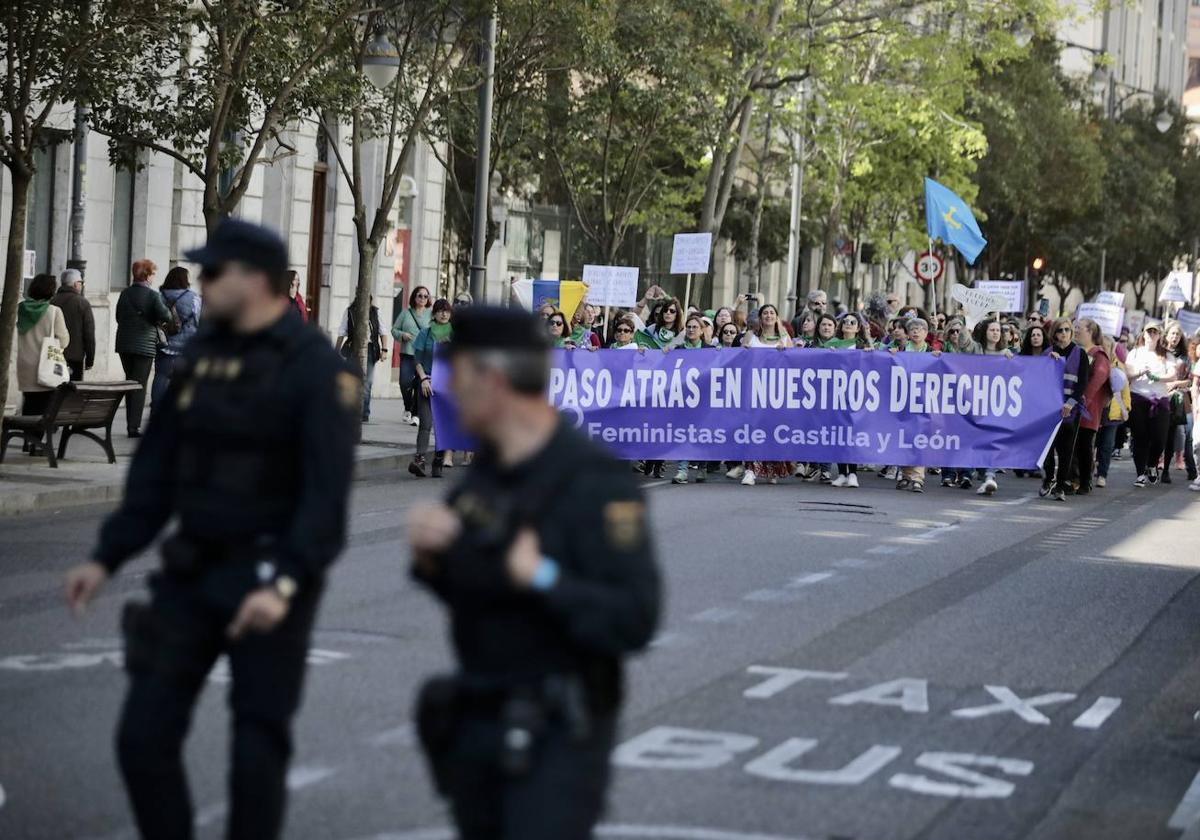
column 39, row 210
column 120, row 256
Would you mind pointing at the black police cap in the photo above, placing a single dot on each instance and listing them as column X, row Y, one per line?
column 235, row 240
column 492, row 328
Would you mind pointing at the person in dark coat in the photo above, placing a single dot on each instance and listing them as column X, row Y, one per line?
column 77, row 310
column 543, row 559
column 140, row 312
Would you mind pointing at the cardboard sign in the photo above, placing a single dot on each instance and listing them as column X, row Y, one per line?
column 1012, row 291
column 976, row 304
column 611, row 285
column 1172, row 290
column 1135, row 320
column 1190, row 321
column 690, row 254
column 1111, row 298
column 1109, row 317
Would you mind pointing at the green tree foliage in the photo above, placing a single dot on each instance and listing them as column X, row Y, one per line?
column 242, row 72
column 51, row 55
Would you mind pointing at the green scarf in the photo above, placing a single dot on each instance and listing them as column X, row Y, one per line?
column 699, row 345
column 441, row 332
column 909, row 347
column 560, row 343
column 29, row 312
column 578, row 333
column 840, row 344
column 653, row 338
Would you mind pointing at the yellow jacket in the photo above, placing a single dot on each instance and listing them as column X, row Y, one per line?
column 1118, row 409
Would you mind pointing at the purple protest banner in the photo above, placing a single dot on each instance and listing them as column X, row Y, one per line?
column 849, row 406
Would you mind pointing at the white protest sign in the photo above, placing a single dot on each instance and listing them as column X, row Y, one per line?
column 1185, row 280
column 1111, row 298
column 1135, row 320
column 1172, row 291
column 975, row 303
column 29, row 269
column 691, row 252
column 1190, row 321
column 611, row 285
column 1012, row 291
column 1109, row 317
column 523, row 291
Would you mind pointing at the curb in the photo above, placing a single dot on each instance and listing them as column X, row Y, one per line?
column 13, row 503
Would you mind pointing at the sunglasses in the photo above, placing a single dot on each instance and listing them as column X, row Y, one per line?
column 1064, row 330
column 624, row 330
column 954, row 331
column 555, row 322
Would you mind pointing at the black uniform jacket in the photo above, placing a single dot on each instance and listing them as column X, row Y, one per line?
column 591, row 520
column 253, row 444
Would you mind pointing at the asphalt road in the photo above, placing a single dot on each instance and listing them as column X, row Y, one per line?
column 833, row 664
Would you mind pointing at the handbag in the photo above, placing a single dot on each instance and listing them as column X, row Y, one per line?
column 52, row 369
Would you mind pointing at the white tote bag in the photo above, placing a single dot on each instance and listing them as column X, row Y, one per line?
column 52, row 364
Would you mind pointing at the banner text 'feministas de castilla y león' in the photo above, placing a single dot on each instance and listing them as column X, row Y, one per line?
column 865, row 407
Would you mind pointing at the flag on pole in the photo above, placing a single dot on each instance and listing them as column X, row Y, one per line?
column 948, row 219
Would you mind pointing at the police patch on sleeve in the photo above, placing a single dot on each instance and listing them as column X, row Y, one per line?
column 349, row 390
column 625, row 524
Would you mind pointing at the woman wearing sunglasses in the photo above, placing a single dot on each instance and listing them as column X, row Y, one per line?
column 623, row 334
column 556, row 326
column 405, row 329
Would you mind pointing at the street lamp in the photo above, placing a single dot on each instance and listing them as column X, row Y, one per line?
column 381, row 62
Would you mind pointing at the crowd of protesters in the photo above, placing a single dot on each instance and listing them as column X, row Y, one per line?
column 1142, row 390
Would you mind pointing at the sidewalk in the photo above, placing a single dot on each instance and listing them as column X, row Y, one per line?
column 85, row 476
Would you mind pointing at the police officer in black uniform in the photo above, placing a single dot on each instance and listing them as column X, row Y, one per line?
column 252, row 450
column 542, row 558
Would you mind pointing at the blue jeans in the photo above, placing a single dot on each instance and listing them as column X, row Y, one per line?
column 163, row 363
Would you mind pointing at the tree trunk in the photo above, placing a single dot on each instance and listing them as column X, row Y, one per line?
column 13, row 265
column 827, row 247
column 368, row 250
column 760, row 201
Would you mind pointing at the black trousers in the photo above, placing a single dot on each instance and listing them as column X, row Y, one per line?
column 560, row 798
column 136, row 368
column 76, row 370
column 169, row 656
column 1057, row 466
column 1085, row 458
column 1149, row 433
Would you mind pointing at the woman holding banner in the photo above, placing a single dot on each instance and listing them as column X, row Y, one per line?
column 1150, row 370
column 1061, row 455
column 665, row 328
column 438, row 332
column 767, row 332
column 1034, row 343
column 693, row 339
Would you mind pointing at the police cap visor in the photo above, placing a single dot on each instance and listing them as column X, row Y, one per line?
column 237, row 241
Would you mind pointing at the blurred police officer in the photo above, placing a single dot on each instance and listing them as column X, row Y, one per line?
column 252, row 450
column 541, row 556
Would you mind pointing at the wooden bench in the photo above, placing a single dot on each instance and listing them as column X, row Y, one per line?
column 76, row 408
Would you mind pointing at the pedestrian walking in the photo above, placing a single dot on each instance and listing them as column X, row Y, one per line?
column 405, row 329
column 424, row 345
column 184, row 306
column 1151, row 370
column 140, row 313
column 1097, row 397
column 252, row 451
column 294, row 296
column 1056, row 469
column 543, row 560
column 81, row 324
column 37, row 320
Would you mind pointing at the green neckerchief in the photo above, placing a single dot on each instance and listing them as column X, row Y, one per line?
column 909, row 347
column 578, row 333
column 654, row 338
column 560, row 342
column 699, row 345
column 841, row 344
column 29, row 312
column 441, row 332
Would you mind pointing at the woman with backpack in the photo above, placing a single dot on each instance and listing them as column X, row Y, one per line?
column 140, row 312
column 184, row 307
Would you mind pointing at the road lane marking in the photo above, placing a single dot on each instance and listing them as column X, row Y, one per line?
column 718, row 615
column 399, row 736
column 1099, row 712
column 781, row 679
column 1007, row 701
column 631, row 831
column 772, row 596
column 890, row 549
column 809, row 579
column 1188, row 811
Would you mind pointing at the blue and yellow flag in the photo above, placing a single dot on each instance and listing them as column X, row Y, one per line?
column 948, row 219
